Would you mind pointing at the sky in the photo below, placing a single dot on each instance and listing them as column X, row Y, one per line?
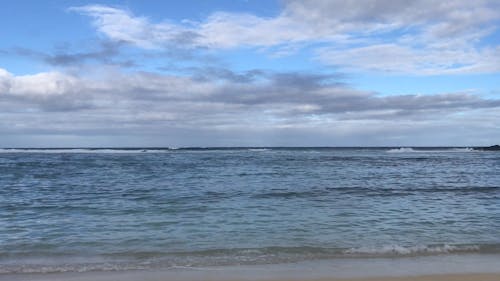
column 249, row 73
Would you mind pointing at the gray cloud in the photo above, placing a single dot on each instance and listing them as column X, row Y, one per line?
column 106, row 52
column 456, row 16
column 214, row 73
column 67, row 103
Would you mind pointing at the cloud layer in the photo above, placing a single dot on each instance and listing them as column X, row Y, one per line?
column 113, row 102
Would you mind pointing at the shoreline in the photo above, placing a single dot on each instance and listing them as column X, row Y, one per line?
column 141, row 277
column 481, row 267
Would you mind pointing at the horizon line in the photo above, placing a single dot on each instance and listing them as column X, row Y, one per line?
column 245, row 147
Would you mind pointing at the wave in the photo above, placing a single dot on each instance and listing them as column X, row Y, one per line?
column 430, row 150
column 397, row 250
column 129, row 150
column 401, row 150
column 222, row 149
column 81, row 150
column 237, row 256
column 371, row 191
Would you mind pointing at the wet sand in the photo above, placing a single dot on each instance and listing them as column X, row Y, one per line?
column 157, row 276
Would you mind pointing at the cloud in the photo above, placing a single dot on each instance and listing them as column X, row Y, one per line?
column 121, row 25
column 381, row 15
column 395, row 58
column 220, row 30
column 369, row 32
column 37, row 85
column 105, row 52
column 45, row 91
column 214, row 73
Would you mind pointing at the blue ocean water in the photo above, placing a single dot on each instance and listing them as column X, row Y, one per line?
column 116, row 209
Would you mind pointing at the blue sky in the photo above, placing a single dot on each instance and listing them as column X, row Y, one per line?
column 256, row 73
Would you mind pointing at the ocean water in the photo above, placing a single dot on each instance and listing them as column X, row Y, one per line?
column 116, row 209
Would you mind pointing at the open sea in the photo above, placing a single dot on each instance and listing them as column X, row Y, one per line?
column 117, row 209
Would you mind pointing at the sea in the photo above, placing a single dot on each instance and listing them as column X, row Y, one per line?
column 116, row 209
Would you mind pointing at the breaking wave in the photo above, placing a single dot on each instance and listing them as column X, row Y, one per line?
column 81, row 150
column 429, row 150
column 243, row 256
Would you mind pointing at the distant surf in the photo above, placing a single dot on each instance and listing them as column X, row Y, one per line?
column 83, row 150
column 429, row 150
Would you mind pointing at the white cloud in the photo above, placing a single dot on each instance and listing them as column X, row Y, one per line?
column 220, row 30
column 121, row 25
column 5, row 77
column 39, row 85
column 404, row 59
column 449, row 31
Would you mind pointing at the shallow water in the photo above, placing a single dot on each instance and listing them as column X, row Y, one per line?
column 80, row 210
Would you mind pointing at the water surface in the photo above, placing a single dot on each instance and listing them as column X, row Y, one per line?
column 113, row 209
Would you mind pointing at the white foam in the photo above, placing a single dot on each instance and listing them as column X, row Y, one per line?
column 424, row 150
column 79, row 150
column 413, row 250
column 401, row 150
column 466, row 149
